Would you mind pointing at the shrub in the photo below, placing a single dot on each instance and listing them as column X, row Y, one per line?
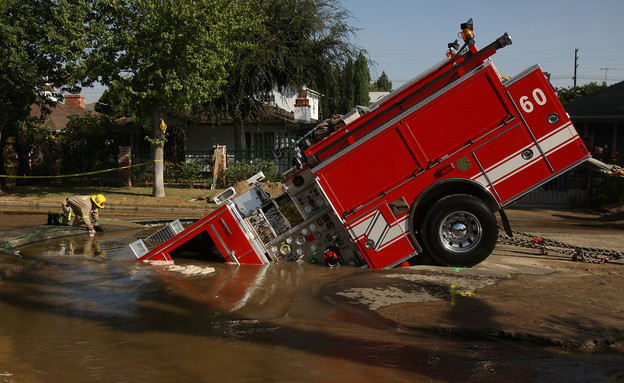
column 241, row 171
column 609, row 191
column 90, row 142
column 188, row 173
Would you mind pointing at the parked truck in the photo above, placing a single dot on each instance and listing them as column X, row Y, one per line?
column 423, row 171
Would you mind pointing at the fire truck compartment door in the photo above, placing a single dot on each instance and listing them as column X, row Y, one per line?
column 360, row 175
column 540, row 146
column 382, row 238
column 230, row 239
column 546, row 119
column 511, row 163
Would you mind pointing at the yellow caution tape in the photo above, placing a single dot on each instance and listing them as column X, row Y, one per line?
column 80, row 174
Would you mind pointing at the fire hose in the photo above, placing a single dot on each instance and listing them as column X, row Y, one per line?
column 544, row 245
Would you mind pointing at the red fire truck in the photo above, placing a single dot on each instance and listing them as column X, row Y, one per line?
column 423, row 171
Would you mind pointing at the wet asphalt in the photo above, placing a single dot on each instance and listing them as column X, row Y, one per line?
column 520, row 293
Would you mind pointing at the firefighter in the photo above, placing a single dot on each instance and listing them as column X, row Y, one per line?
column 85, row 209
column 9, row 155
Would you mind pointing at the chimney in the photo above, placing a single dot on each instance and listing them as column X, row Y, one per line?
column 302, row 99
column 77, row 100
column 302, row 106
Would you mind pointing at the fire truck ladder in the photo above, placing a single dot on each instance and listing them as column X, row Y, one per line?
column 163, row 241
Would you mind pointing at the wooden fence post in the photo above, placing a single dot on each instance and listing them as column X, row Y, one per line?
column 125, row 161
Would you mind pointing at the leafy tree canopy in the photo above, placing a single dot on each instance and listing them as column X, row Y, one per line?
column 42, row 44
column 572, row 93
column 116, row 101
column 300, row 43
column 169, row 55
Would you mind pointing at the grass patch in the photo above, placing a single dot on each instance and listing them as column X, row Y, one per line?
column 135, row 196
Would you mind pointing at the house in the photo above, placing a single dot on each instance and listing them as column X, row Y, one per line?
column 599, row 119
column 59, row 114
column 282, row 114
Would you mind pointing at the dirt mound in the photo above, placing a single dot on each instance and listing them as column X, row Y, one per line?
column 273, row 188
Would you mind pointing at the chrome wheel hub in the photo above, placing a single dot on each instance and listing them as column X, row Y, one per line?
column 460, row 231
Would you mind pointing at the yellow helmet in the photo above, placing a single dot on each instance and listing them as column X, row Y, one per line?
column 99, row 200
column 10, row 140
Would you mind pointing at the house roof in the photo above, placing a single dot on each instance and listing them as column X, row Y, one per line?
column 607, row 103
column 265, row 114
column 59, row 115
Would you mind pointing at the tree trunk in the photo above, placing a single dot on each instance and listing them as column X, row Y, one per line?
column 158, row 150
column 239, row 134
column 1, row 161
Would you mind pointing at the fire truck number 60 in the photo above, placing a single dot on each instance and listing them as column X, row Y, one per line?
column 538, row 96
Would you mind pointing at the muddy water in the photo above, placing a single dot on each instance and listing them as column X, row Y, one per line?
column 79, row 309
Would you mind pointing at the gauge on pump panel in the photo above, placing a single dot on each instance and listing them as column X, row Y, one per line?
column 285, row 249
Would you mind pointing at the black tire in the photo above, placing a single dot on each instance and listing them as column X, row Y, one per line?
column 459, row 230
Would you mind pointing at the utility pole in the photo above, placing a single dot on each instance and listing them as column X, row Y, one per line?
column 606, row 70
column 575, row 64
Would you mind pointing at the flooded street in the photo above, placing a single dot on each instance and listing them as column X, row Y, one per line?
column 77, row 309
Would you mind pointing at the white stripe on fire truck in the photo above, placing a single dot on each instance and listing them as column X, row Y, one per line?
column 514, row 163
column 367, row 227
column 396, row 232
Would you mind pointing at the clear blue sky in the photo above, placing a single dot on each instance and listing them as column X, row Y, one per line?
column 406, row 37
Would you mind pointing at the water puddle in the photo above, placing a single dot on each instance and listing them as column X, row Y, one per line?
column 81, row 309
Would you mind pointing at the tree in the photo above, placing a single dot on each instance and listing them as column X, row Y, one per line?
column 382, row 84
column 347, row 99
column 42, row 45
column 116, row 101
column 170, row 55
column 355, row 82
column 361, row 81
column 83, row 147
column 299, row 43
column 572, row 93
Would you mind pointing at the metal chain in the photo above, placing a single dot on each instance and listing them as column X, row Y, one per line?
column 578, row 253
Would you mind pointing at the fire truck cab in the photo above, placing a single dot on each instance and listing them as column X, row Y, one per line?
column 424, row 171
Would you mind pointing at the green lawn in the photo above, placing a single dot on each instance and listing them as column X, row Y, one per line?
column 135, row 196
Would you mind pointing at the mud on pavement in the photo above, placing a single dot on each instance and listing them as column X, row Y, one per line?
column 517, row 293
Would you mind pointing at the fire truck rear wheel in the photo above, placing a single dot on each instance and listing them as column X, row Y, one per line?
column 459, row 230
